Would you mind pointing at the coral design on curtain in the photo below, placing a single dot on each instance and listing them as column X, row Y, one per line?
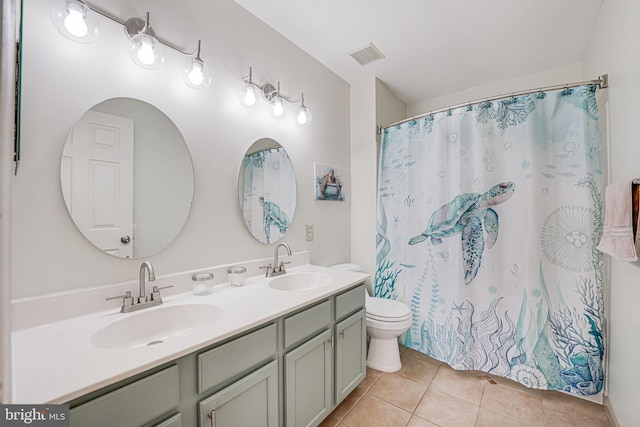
column 488, row 221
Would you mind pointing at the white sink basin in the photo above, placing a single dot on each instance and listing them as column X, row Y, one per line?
column 300, row 281
column 153, row 326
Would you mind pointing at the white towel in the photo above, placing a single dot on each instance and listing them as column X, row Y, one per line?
column 617, row 238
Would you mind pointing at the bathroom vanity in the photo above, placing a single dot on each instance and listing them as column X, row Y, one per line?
column 277, row 353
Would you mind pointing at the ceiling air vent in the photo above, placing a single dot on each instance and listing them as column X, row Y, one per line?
column 366, row 54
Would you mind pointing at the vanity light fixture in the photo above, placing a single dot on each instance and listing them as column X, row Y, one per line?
column 74, row 20
column 144, row 48
column 252, row 95
column 77, row 21
column 196, row 73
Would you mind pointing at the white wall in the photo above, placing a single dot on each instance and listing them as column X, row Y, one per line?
column 363, row 174
column 62, row 79
column 615, row 50
column 564, row 74
column 372, row 104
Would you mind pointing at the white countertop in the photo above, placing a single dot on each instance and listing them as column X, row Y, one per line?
column 56, row 362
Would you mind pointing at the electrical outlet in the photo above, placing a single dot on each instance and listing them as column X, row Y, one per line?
column 308, row 232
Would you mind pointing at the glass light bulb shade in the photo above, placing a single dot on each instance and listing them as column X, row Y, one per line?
column 277, row 108
column 304, row 116
column 251, row 95
column 196, row 74
column 74, row 20
column 146, row 51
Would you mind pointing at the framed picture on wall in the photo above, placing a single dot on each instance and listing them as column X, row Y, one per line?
column 328, row 183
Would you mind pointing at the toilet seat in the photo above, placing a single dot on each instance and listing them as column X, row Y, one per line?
column 387, row 310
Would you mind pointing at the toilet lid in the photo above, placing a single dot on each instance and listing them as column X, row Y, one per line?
column 387, row 309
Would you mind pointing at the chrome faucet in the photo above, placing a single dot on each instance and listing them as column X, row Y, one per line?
column 277, row 268
column 130, row 304
column 143, row 286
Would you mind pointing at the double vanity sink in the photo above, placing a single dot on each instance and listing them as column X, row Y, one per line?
column 66, row 360
column 157, row 325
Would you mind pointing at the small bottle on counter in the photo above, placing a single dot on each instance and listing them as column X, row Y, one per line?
column 202, row 283
column 236, row 275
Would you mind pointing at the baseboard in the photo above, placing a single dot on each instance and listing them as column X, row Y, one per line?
column 610, row 413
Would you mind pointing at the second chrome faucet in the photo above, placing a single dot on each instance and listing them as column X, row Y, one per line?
column 277, row 268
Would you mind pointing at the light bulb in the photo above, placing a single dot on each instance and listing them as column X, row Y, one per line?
column 196, row 74
column 75, row 20
column 146, row 51
column 250, row 95
column 304, row 116
column 277, row 108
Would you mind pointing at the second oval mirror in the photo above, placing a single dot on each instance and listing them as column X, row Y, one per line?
column 127, row 178
column 267, row 190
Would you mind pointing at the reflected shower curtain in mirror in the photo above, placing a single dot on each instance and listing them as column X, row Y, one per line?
column 488, row 221
column 269, row 194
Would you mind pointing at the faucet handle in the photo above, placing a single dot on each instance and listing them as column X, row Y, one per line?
column 155, row 292
column 127, row 300
column 282, row 264
column 269, row 269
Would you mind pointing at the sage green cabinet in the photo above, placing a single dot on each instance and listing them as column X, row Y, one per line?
column 291, row 371
column 174, row 421
column 134, row 404
column 321, row 369
column 308, row 381
column 351, row 341
column 249, row 402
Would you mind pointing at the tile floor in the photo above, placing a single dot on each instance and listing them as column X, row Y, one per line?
column 426, row 393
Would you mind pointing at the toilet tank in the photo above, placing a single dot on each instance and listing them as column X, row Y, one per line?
column 357, row 269
column 348, row 267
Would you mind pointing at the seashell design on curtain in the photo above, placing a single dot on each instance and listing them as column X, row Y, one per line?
column 488, row 221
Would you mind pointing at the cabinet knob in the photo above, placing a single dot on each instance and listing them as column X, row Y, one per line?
column 125, row 240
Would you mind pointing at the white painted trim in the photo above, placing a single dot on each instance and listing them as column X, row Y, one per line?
column 610, row 413
column 7, row 112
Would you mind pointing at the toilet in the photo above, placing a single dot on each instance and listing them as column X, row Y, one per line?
column 386, row 321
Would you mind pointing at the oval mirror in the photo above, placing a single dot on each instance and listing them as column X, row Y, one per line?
column 127, row 178
column 267, row 190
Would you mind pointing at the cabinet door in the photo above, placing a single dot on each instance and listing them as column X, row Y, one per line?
column 308, row 371
column 350, row 354
column 249, row 402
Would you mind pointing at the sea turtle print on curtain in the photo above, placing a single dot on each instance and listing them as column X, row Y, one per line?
column 488, row 222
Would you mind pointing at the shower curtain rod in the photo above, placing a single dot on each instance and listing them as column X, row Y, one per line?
column 602, row 82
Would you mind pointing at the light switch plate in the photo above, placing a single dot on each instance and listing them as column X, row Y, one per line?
column 308, row 232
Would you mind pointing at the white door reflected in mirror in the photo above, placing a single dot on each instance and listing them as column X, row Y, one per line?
column 127, row 178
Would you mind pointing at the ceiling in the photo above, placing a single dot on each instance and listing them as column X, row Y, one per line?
column 435, row 47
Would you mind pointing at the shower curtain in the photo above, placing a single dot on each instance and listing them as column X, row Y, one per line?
column 488, row 221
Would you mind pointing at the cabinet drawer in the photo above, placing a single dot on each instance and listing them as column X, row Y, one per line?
column 306, row 323
column 222, row 363
column 131, row 405
column 350, row 301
